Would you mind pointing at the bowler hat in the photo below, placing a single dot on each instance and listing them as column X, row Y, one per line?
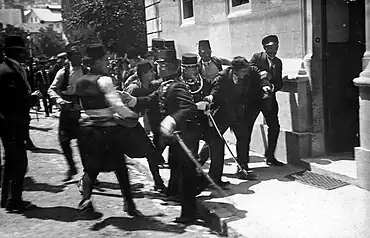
column 204, row 45
column 143, row 66
column 189, row 60
column 270, row 40
column 15, row 42
column 94, row 51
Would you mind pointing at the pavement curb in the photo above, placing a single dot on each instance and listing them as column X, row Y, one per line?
column 208, row 213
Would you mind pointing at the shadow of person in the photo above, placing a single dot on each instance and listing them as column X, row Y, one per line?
column 31, row 185
column 46, row 151
column 41, row 128
column 60, row 213
column 118, row 195
column 138, row 223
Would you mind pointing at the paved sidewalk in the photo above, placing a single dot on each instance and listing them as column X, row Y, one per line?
column 57, row 216
column 274, row 206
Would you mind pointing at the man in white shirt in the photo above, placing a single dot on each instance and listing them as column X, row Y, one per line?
column 63, row 91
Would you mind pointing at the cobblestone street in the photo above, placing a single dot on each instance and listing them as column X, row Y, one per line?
column 57, row 216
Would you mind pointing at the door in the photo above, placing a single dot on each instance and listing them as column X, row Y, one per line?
column 344, row 49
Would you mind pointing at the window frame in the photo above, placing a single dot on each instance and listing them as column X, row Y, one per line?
column 240, row 10
column 189, row 20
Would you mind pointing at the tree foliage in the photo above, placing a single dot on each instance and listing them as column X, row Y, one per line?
column 47, row 42
column 117, row 24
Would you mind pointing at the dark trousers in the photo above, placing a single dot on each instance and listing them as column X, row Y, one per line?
column 215, row 147
column 16, row 162
column 269, row 108
column 139, row 145
column 46, row 101
column 68, row 130
column 108, row 156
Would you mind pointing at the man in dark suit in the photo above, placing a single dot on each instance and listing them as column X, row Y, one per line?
column 271, row 67
column 228, row 93
column 15, row 102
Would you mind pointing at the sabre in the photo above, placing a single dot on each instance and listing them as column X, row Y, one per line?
column 222, row 137
column 199, row 167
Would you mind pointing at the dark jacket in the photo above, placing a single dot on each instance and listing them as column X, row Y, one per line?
column 15, row 98
column 178, row 102
column 230, row 98
column 260, row 60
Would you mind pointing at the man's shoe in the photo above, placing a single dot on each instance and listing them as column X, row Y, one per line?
column 223, row 183
column 132, row 211
column 185, row 220
column 274, row 162
column 69, row 175
column 87, row 210
column 246, row 175
column 19, row 206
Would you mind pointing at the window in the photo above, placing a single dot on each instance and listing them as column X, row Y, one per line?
column 235, row 3
column 187, row 9
column 237, row 8
column 31, row 19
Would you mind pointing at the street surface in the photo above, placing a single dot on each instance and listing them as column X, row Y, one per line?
column 57, row 216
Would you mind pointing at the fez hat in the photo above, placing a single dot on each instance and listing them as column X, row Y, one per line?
column 170, row 45
column 167, row 55
column 94, row 52
column 270, row 40
column 15, row 42
column 204, row 45
column 189, row 60
column 158, row 44
column 143, row 66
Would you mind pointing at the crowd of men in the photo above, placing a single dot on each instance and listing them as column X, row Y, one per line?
column 100, row 101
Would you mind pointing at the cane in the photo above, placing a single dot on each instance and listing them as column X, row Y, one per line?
column 223, row 139
column 199, row 167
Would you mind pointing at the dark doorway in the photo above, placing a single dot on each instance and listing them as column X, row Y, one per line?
column 343, row 52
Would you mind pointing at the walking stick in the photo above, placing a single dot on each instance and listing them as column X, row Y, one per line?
column 227, row 145
column 199, row 167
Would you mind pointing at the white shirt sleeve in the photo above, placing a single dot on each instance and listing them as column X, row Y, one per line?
column 114, row 100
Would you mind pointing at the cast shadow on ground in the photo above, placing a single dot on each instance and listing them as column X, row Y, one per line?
column 41, row 128
column 60, row 213
column 118, row 195
column 46, row 151
column 137, row 224
column 31, row 185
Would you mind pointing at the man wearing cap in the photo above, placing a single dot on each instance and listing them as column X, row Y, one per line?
column 14, row 88
column 271, row 67
column 63, row 91
column 142, row 146
column 209, row 65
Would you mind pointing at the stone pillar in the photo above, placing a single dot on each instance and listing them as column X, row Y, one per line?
column 362, row 153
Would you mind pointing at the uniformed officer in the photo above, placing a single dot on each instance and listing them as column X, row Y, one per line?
column 178, row 109
column 272, row 67
column 15, row 102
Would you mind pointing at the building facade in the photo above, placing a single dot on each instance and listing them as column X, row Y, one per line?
column 47, row 17
column 322, row 46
